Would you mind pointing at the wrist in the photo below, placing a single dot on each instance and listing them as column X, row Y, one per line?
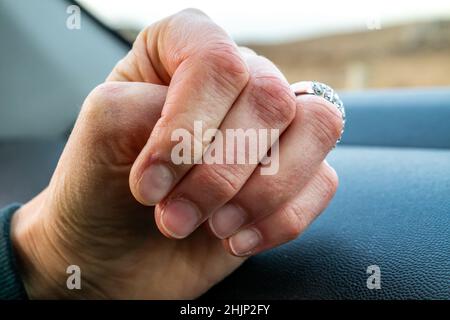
column 40, row 266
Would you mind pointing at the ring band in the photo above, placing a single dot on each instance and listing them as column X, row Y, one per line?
column 321, row 90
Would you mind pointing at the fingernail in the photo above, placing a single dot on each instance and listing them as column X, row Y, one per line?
column 180, row 218
column 155, row 183
column 225, row 221
column 243, row 242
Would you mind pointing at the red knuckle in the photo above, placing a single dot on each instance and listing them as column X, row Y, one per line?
column 226, row 63
column 325, row 119
column 272, row 100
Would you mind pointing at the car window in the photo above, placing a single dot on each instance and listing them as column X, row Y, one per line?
column 348, row 44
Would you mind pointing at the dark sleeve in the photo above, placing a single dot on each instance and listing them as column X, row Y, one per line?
column 11, row 286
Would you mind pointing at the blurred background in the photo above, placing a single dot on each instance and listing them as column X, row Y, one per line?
column 348, row 44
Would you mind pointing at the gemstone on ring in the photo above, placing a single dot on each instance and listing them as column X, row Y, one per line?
column 324, row 91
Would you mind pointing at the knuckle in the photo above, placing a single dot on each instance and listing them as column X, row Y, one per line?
column 223, row 179
column 272, row 100
column 105, row 123
column 191, row 12
column 100, row 125
column 225, row 62
column 325, row 119
column 102, row 101
column 247, row 51
column 293, row 221
column 329, row 182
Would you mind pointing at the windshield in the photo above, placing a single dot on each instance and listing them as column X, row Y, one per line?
column 347, row 44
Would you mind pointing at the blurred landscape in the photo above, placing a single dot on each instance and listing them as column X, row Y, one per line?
column 411, row 55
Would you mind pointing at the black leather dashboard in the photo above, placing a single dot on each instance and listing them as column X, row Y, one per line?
column 392, row 210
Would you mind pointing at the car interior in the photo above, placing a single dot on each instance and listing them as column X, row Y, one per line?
column 392, row 208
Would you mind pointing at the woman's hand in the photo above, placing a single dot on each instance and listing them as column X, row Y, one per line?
column 97, row 211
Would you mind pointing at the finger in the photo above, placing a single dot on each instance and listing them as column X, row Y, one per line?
column 207, row 74
column 265, row 108
column 302, row 148
column 112, row 127
column 247, row 51
column 121, row 115
column 288, row 221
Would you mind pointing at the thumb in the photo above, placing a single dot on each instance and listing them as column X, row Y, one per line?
column 93, row 171
column 80, row 215
column 116, row 120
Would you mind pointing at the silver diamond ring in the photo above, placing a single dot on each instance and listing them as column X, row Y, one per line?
column 321, row 90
